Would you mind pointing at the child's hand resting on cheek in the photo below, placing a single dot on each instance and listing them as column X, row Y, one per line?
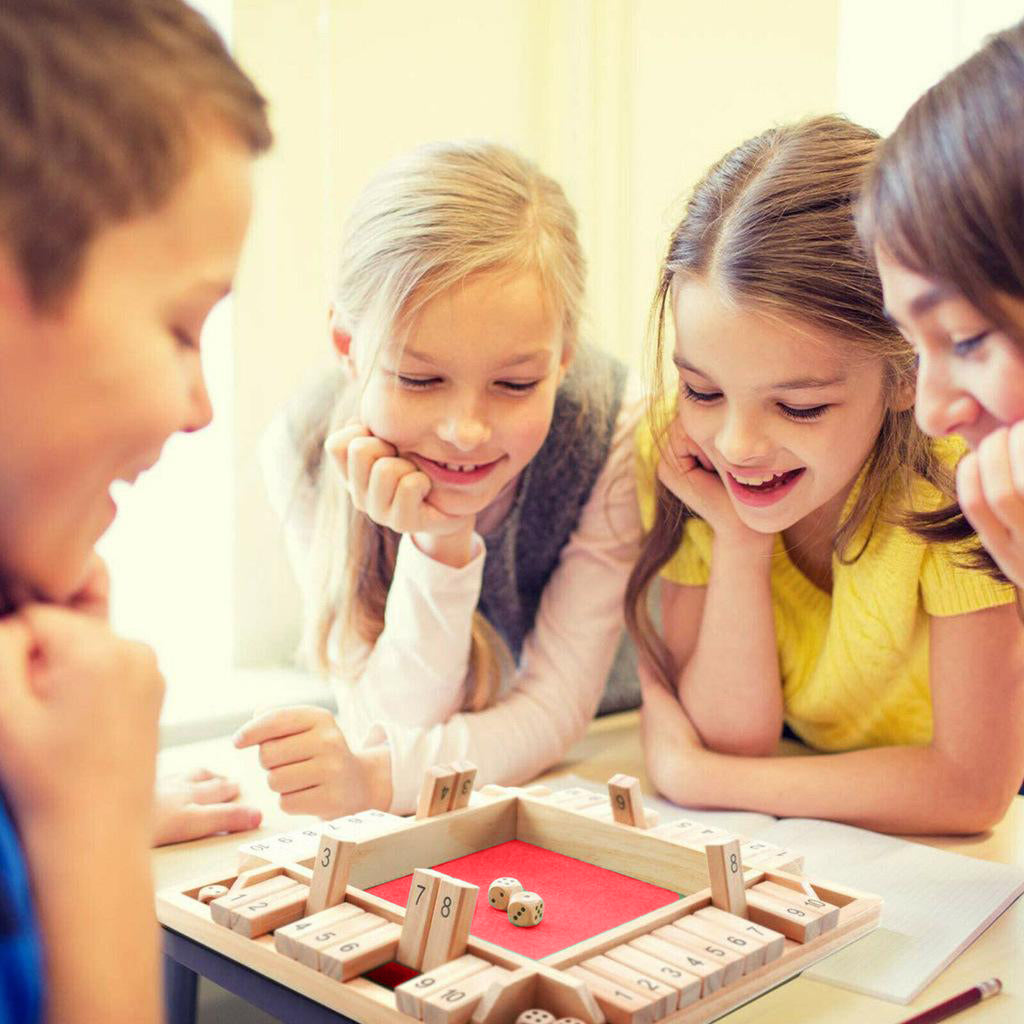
column 990, row 488
column 310, row 765
column 688, row 473
column 393, row 492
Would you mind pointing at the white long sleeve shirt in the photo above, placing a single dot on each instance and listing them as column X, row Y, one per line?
column 412, row 684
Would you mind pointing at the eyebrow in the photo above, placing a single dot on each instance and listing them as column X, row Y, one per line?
column 525, row 357
column 794, row 384
column 925, row 302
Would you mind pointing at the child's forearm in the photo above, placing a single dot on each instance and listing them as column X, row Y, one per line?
column 730, row 686
column 94, row 897
column 908, row 790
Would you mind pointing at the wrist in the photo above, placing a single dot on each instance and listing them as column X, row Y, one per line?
column 376, row 767
column 747, row 550
column 453, row 549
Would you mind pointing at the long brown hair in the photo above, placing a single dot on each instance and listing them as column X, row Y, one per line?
column 946, row 195
column 425, row 223
column 771, row 225
column 946, row 198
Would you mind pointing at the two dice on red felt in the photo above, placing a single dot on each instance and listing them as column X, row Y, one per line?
column 525, row 909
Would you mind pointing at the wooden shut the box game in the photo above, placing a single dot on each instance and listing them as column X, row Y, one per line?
column 588, row 910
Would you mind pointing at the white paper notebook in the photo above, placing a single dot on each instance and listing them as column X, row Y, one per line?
column 936, row 903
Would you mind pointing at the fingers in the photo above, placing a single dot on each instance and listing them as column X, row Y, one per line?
column 291, row 778
column 994, row 506
column 363, row 453
column 337, row 445
column 16, row 646
column 93, row 597
column 308, row 801
column 217, row 790
column 288, row 750
column 199, row 820
column 394, row 493
column 275, row 724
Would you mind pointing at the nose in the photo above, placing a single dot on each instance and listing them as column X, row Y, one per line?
column 200, row 410
column 465, row 427
column 940, row 406
column 741, row 440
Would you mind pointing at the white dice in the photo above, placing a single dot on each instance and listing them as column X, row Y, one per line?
column 525, row 909
column 501, row 890
column 535, row 1017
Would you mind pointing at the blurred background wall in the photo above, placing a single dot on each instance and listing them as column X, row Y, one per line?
column 626, row 102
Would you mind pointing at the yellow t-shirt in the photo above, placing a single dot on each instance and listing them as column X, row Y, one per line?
column 853, row 663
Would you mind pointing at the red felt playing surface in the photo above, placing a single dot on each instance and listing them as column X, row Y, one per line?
column 580, row 899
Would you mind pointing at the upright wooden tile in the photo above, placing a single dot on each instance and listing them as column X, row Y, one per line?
column 626, row 801
column 436, row 791
column 725, row 869
column 452, row 915
column 330, row 873
column 419, row 910
column 465, row 777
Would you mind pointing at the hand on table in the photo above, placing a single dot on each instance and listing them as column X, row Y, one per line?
column 191, row 805
column 990, row 489
column 310, row 765
column 395, row 493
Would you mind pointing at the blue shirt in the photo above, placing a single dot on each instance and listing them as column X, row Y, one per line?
column 21, row 953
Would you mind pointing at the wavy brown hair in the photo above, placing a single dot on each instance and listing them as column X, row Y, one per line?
column 771, row 225
column 946, row 198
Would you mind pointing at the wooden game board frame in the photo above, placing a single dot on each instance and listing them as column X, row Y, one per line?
column 495, row 815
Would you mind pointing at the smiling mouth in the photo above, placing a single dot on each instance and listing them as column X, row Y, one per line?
column 455, row 472
column 769, row 482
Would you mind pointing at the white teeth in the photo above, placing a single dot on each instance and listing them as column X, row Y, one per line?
column 754, row 481
column 458, row 469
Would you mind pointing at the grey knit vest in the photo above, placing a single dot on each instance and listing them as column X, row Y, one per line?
column 524, row 551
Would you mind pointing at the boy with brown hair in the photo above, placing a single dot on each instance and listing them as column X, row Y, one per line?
column 127, row 134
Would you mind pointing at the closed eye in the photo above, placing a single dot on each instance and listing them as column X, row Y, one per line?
column 968, row 345
column 700, row 396
column 518, row 387
column 417, row 383
column 811, row 413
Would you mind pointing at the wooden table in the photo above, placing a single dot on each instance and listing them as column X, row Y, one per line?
column 612, row 745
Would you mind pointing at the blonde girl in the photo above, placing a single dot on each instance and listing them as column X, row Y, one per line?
column 942, row 212
column 790, row 520
column 466, row 541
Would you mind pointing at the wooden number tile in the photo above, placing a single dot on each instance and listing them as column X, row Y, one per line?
column 264, row 913
column 410, row 994
column 619, row 1004
column 330, row 873
column 784, row 916
column 247, row 879
column 566, row 796
column 725, row 869
column 364, row 825
column 419, row 910
column 356, row 954
column 448, row 929
column 751, row 954
column 455, row 1002
column 312, row 947
column 436, row 791
column 783, row 860
column 301, row 939
column 755, row 852
column 626, row 802
column 687, row 985
column 284, row 848
column 465, row 777
column 828, row 914
column 225, row 907
column 771, row 943
column 677, row 831
column 636, row 981
column 706, row 834
column 712, row 975
column 593, row 805
column 713, row 952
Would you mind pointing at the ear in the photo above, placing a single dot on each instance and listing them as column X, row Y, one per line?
column 341, row 339
column 568, row 351
column 905, row 395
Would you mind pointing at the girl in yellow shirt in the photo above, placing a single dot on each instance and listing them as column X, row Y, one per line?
column 789, row 521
